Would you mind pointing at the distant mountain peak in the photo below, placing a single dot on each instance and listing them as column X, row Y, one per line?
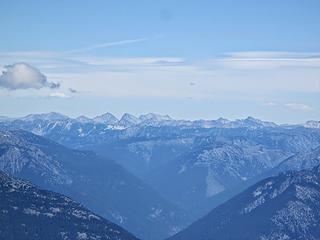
column 254, row 122
column 84, row 119
column 155, row 117
column 128, row 116
column 252, row 119
column 129, row 120
column 312, row 124
column 223, row 119
column 106, row 118
column 45, row 116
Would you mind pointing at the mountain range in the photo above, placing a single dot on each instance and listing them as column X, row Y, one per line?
column 99, row 184
column 281, row 207
column 129, row 120
column 30, row 213
column 224, row 161
column 153, row 175
column 215, row 154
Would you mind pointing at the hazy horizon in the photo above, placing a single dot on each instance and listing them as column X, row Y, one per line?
column 232, row 152
column 191, row 60
column 119, row 116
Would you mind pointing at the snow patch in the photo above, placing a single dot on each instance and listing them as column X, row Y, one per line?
column 182, row 169
column 31, row 211
column 82, row 236
column 213, row 186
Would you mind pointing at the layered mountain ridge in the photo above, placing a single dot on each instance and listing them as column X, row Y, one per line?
column 32, row 214
column 281, row 207
column 217, row 154
column 196, row 165
column 99, row 184
column 129, row 120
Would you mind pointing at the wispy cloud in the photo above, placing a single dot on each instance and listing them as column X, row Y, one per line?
column 299, row 106
column 270, row 104
column 290, row 105
column 130, row 62
column 272, row 55
column 66, row 53
column 105, row 45
column 270, row 60
column 162, row 76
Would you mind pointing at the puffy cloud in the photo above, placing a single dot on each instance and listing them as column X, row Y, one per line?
column 23, row 76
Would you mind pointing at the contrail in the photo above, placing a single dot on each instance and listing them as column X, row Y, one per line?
column 106, row 45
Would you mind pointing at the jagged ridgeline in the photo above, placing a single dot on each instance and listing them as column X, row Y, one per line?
column 153, row 175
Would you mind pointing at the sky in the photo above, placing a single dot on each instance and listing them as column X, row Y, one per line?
column 189, row 59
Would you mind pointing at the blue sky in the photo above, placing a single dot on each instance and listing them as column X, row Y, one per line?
column 189, row 59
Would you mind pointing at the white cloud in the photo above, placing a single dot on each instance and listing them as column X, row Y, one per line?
column 164, row 77
column 270, row 60
column 24, row 76
column 270, row 104
column 272, row 55
column 292, row 106
column 59, row 95
column 133, row 62
column 299, row 106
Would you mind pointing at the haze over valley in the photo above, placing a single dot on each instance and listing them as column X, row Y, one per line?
column 160, row 120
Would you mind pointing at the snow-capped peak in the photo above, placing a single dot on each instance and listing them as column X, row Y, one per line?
column 106, row 118
column 252, row 123
column 222, row 120
column 84, row 119
column 312, row 124
column 155, row 117
column 45, row 116
column 128, row 120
